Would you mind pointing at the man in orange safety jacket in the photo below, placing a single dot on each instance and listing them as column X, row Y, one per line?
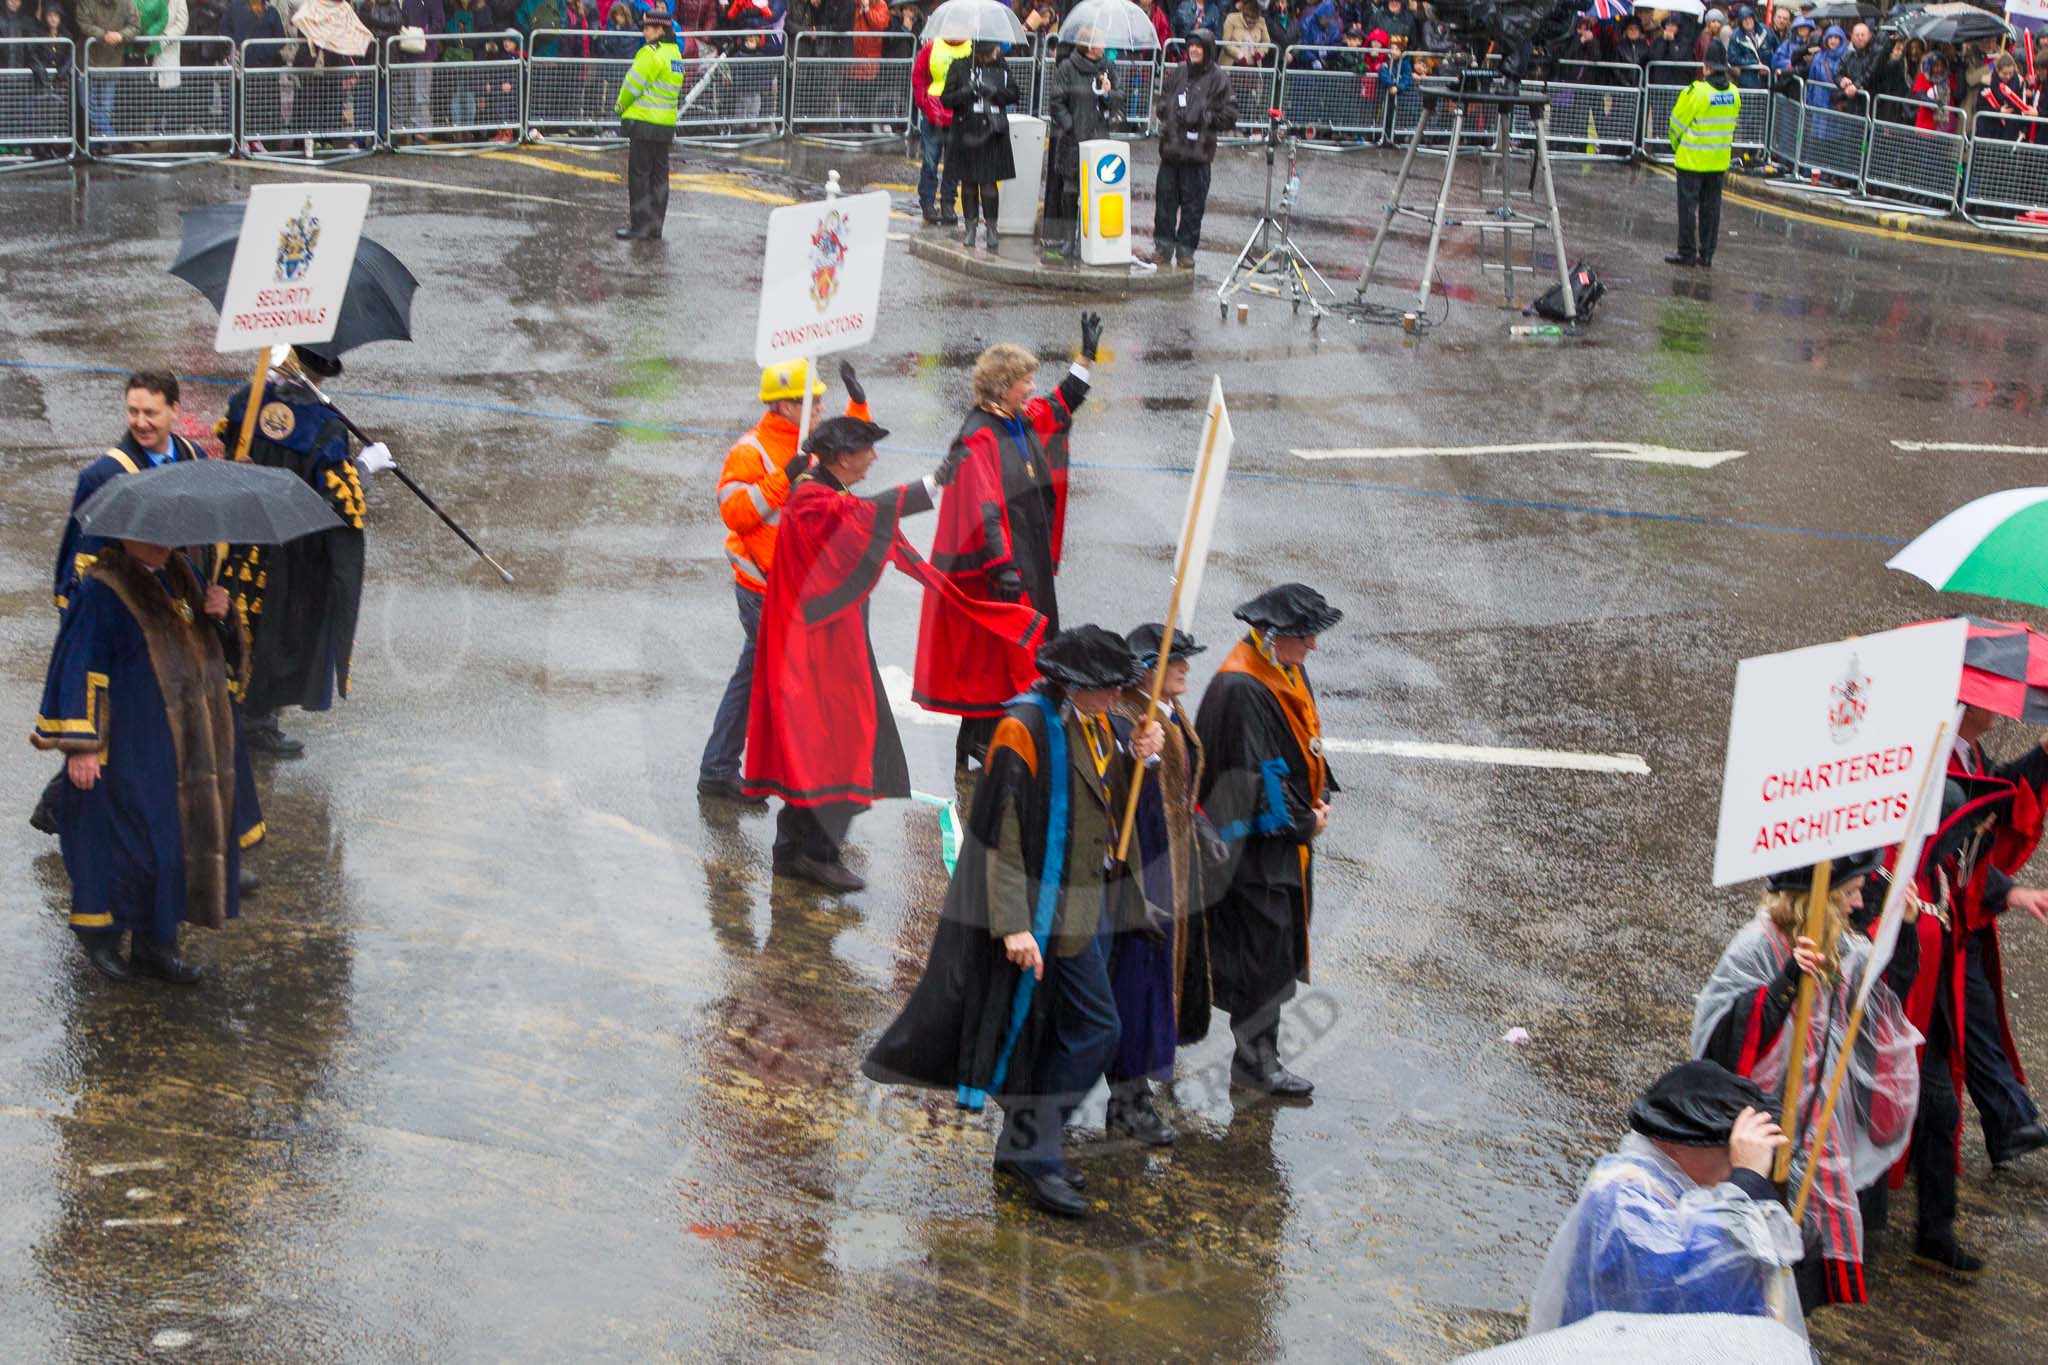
column 752, row 487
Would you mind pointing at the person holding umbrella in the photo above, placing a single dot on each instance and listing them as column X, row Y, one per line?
column 980, row 92
column 297, row 604
column 136, row 698
column 1081, row 107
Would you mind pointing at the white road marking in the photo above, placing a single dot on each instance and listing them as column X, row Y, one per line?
column 174, row 1220
column 172, row 1339
column 1630, row 764
column 1600, row 450
column 140, row 1192
column 234, row 1312
column 1969, row 447
column 123, row 1167
column 897, row 683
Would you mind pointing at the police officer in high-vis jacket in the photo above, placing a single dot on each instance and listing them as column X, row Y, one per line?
column 647, row 106
column 1702, row 136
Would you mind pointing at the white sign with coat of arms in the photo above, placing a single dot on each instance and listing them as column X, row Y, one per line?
column 1826, row 746
column 821, row 278
column 292, row 263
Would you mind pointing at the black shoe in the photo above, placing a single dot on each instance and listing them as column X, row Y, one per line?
column 833, row 876
column 1073, row 1175
column 1948, row 1258
column 104, row 952
column 948, row 218
column 1050, row 1190
column 264, row 737
column 163, row 963
column 2031, row 1138
column 931, row 216
column 727, row 789
column 626, row 234
column 1675, row 259
column 248, row 881
column 1705, row 263
column 1274, row 1080
column 43, row 819
column 1131, row 1115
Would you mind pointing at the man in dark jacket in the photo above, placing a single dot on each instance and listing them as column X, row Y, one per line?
column 1196, row 103
column 1858, row 71
column 1081, row 105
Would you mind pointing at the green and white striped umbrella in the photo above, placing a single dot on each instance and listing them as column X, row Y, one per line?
column 1997, row 546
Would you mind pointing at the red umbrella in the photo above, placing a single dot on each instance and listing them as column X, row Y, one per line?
column 2005, row 669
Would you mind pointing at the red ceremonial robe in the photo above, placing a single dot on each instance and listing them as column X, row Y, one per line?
column 819, row 728
column 1006, row 509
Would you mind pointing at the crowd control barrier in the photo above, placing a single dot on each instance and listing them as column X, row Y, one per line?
column 161, row 115
column 1251, row 83
column 450, row 108
column 843, row 100
column 2007, row 182
column 1350, row 107
column 572, row 86
column 1592, row 119
column 1752, row 123
column 734, row 96
column 38, row 102
column 1917, row 167
column 305, row 114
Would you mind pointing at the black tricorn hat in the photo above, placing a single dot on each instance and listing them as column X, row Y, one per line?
column 1087, row 657
column 1144, row 643
column 836, row 436
column 320, row 363
column 1292, row 609
column 1844, row 869
column 1695, row 1104
column 1717, row 56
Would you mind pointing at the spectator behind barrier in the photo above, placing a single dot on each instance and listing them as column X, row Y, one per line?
column 1243, row 27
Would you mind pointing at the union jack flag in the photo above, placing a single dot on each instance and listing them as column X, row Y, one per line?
column 1606, row 11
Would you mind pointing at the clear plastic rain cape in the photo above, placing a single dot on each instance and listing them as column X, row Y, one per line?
column 1873, row 1119
column 1643, row 1238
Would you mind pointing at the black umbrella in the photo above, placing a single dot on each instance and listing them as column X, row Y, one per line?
column 205, row 502
column 1950, row 23
column 377, row 306
column 1834, row 11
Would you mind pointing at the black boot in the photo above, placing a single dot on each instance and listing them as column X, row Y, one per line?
column 1256, row 1066
column 967, row 237
column 161, row 961
column 2030, row 1138
column 263, row 735
column 994, row 242
column 1942, row 1254
column 104, row 952
column 1131, row 1114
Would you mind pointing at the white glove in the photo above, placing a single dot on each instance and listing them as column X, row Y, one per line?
column 374, row 457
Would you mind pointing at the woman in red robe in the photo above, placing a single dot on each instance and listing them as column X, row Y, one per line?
column 819, row 733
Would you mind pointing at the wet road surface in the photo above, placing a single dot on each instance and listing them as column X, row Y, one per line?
column 519, row 1053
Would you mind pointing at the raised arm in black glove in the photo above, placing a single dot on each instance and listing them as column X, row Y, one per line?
column 1091, row 335
column 854, row 390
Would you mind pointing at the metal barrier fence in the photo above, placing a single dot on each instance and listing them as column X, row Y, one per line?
column 1134, row 79
column 305, row 114
column 38, row 105
column 844, row 100
column 1344, row 103
column 1023, row 61
column 1481, row 127
column 1922, row 167
column 1251, row 83
column 1752, row 122
column 2007, row 179
column 1595, row 119
column 734, row 97
column 572, row 96
column 161, row 116
column 455, row 107
column 1824, row 148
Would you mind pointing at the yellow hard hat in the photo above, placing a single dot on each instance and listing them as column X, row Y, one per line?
column 787, row 381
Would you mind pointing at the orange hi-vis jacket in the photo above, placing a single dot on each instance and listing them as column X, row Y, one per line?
column 751, row 491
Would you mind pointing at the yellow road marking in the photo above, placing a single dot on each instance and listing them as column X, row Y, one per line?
column 1843, row 225
column 525, row 159
column 691, row 182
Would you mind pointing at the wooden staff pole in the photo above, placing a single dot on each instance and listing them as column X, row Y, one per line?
column 1802, row 1020
column 1180, row 568
column 1902, row 878
column 245, row 435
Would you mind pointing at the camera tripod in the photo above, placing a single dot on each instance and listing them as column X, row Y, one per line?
column 1503, row 216
column 1271, row 251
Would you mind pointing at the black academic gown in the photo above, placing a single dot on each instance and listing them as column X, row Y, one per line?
column 975, row 1024
column 1256, row 790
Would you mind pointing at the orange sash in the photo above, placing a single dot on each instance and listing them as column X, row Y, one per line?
column 1289, row 689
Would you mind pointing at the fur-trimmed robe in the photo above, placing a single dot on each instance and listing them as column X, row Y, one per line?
column 138, row 676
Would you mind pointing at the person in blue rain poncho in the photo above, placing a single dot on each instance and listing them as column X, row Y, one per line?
column 1683, row 1217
